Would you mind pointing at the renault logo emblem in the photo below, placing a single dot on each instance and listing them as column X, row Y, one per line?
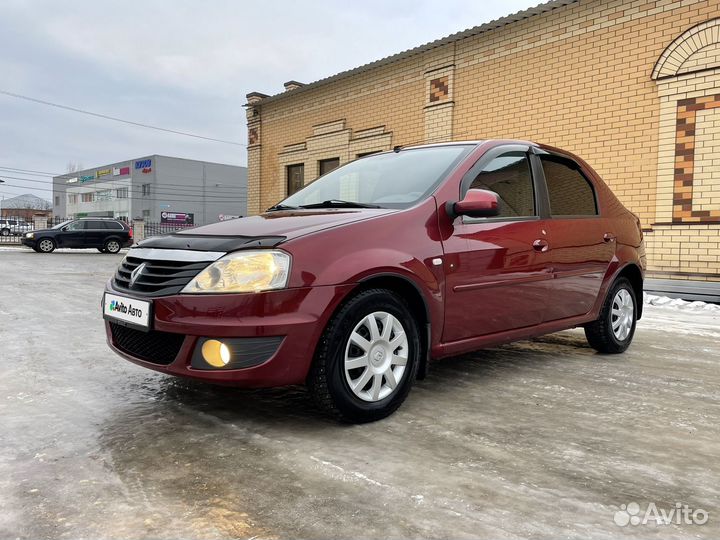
column 136, row 274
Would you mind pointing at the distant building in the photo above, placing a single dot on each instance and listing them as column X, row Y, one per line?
column 155, row 188
column 25, row 207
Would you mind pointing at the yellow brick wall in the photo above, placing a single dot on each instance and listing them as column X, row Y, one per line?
column 577, row 77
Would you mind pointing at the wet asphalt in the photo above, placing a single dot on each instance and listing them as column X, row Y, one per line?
column 536, row 439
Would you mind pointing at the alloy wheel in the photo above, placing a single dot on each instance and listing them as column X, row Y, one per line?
column 46, row 246
column 112, row 246
column 622, row 315
column 376, row 356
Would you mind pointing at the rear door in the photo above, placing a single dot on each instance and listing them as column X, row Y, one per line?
column 95, row 233
column 582, row 248
column 498, row 269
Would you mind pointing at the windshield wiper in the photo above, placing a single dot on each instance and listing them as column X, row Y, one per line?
column 338, row 203
column 281, row 207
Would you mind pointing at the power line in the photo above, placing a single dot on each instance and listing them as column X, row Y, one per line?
column 115, row 119
column 185, row 191
column 109, row 180
column 190, row 197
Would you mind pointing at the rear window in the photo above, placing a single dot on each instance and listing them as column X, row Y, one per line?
column 113, row 225
column 571, row 194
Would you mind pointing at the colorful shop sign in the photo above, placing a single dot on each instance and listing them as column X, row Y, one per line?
column 87, row 178
column 103, row 172
column 121, row 171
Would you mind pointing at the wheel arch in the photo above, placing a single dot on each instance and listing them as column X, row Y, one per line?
column 633, row 273
column 412, row 294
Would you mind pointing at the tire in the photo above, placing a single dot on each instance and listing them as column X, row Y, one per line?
column 614, row 330
column 5, row 232
column 46, row 245
column 112, row 246
column 377, row 364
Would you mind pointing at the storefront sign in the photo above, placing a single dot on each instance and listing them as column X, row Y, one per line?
column 72, row 180
column 87, row 178
column 143, row 164
column 103, row 172
column 121, row 171
column 177, row 218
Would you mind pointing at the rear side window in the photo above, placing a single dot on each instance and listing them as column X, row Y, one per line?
column 571, row 194
column 95, row 225
column 509, row 176
column 114, row 225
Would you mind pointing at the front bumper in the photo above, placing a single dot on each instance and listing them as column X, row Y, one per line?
column 285, row 324
column 29, row 242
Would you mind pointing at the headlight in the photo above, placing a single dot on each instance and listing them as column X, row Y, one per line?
column 243, row 271
column 30, row 235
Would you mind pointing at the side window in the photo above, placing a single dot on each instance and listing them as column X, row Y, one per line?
column 76, row 226
column 114, row 225
column 509, row 176
column 95, row 225
column 571, row 194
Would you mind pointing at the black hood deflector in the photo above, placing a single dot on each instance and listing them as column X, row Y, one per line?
column 210, row 243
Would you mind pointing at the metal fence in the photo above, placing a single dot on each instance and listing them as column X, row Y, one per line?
column 156, row 228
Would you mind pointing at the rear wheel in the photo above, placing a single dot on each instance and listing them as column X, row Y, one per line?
column 367, row 358
column 5, row 232
column 613, row 331
column 112, row 246
column 46, row 245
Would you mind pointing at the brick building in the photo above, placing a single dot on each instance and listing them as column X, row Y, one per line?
column 631, row 86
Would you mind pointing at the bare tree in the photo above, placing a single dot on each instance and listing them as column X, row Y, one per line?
column 73, row 166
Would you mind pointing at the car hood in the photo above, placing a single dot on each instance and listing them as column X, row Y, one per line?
column 268, row 229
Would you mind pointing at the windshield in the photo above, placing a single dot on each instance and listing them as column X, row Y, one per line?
column 61, row 225
column 390, row 180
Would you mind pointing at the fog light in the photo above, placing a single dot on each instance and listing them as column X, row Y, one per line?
column 216, row 353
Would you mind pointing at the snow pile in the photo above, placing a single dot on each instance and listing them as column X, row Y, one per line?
column 679, row 303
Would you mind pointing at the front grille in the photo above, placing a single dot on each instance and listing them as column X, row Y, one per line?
column 156, row 347
column 158, row 278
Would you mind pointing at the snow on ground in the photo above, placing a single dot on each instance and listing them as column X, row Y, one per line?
column 678, row 303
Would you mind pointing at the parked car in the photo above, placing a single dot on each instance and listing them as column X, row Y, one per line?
column 15, row 227
column 107, row 235
column 355, row 283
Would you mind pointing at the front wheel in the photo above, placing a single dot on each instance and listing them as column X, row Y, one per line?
column 367, row 358
column 613, row 331
column 5, row 232
column 46, row 245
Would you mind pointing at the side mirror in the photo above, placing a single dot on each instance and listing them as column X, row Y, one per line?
column 65, row 228
column 477, row 203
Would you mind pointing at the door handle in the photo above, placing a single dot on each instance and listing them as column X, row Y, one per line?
column 609, row 237
column 541, row 245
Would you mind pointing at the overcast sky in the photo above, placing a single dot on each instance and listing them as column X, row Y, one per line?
column 183, row 65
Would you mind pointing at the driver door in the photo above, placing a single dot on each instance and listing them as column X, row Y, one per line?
column 73, row 235
column 498, row 269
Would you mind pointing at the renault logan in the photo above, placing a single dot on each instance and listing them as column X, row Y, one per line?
column 355, row 283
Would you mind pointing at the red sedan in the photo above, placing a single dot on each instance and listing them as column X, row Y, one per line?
column 356, row 282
